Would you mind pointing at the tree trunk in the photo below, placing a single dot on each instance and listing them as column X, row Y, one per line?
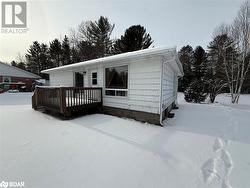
column 212, row 97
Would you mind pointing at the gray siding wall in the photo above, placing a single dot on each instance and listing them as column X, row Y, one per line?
column 169, row 79
column 62, row 78
column 144, row 84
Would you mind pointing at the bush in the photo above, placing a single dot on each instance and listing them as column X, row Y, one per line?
column 195, row 92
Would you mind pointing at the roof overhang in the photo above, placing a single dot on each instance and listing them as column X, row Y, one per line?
column 129, row 56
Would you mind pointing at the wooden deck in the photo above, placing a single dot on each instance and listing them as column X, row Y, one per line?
column 67, row 100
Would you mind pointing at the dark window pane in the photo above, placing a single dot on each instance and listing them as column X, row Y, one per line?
column 110, row 92
column 94, row 74
column 121, row 93
column 116, row 77
column 94, row 81
column 94, row 78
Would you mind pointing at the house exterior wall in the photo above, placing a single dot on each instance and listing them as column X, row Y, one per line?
column 28, row 81
column 62, row 78
column 168, row 85
column 152, row 85
column 143, row 85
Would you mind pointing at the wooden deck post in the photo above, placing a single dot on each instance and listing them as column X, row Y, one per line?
column 62, row 95
column 101, row 96
column 34, row 103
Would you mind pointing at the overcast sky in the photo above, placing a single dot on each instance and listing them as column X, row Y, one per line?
column 170, row 22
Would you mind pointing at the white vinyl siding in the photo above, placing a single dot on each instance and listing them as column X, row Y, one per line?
column 62, row 78
column 144, row 84
column 143, row 87
column 168, row 85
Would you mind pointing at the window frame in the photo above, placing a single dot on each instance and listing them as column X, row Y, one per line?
column 114, row 89
column 8, row 77
column 94, row 78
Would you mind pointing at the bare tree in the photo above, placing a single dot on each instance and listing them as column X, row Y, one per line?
column 234, row 50
column 223, row 56
column 240, row 32
column 223, row 29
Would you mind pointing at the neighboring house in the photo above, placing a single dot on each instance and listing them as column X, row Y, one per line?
column 11, row 77
column 140, row 84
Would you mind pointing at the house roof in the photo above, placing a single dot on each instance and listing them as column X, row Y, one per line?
column 163, row 51
column 8, row 70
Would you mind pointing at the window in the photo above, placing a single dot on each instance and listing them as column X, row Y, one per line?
column 94, row 78
column 6, row 79
column 116, row 81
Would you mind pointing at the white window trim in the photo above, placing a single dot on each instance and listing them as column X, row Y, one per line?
column 94, row 78
column 104, row 75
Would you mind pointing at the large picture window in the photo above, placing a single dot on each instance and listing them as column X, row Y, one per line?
column 116, row 81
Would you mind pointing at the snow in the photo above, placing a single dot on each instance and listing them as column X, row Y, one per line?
column 204, row 145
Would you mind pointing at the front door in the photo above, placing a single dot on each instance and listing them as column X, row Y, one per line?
column 79, row 79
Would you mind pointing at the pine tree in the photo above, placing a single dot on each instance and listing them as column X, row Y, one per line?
column 221, row 50
column 21, row 65
column 37, row 58
column 87, row 51
column 97, row 34
column 13, row 63
column 55, row 52
column 185, row 56
column 44, row 57
column 74, row 55
column 134, row 38
column 33, row 58
column 197, row 89
column 65, row 51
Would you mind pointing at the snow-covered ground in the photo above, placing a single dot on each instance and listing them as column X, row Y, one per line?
column 204, row 145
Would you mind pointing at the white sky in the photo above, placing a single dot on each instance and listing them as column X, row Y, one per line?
column 170, row 22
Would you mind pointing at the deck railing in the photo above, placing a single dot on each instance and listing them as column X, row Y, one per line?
column 66, row 99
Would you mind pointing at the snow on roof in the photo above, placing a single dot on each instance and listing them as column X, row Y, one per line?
column 8, row 70
column 123, row 56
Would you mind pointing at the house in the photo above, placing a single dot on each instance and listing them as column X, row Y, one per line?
column 12, row 77
column 140, row 84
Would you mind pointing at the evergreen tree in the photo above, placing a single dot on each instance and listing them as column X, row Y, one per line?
column 13, row 63
column 185, row 56
column 37, row 58
column 87, row 51
column 221, row 50
column 97, row 34
column 199, row 63
column 55, row 52
column 21, row 65
column 134, row 38
column 33, row 58
column 44, row 57
column 215, row 55
column 197, row 89
column 74, row 55
column 65, row 51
